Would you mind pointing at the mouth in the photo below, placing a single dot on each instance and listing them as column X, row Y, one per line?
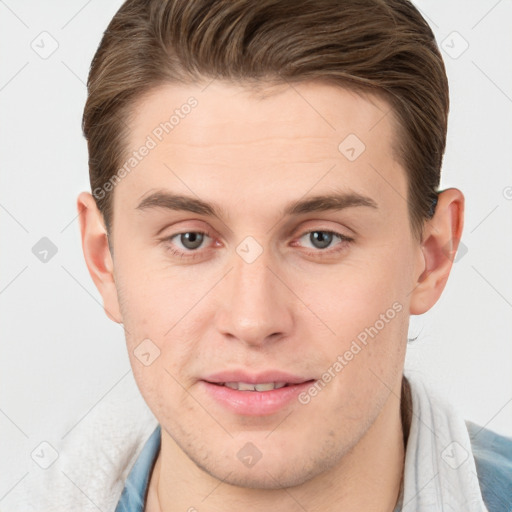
column 246, row 386
column 255, row 395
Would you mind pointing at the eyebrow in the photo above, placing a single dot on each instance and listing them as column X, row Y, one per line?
column 319, row 203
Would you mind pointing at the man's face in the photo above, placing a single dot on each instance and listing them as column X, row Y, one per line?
column 265, row 290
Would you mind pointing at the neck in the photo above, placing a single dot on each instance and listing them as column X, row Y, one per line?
column 368, row 477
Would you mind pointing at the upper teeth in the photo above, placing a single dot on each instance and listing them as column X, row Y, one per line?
column 244, row 386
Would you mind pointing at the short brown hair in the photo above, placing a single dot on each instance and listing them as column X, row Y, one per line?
column 382, row 46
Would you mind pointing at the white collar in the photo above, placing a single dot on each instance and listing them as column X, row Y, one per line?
column 439, row 471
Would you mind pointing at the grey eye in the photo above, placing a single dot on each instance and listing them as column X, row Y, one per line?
column 191, row 240
column 321, row 239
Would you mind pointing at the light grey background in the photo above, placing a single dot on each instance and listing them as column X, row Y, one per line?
column 60, row 355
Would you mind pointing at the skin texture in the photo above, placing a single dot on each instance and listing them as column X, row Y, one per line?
column 296, row 308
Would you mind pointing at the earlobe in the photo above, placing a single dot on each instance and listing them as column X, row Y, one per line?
column 97, row 254
column 440, row 242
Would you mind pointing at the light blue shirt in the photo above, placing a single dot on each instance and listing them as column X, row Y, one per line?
column 492, row 453
column 133, row 498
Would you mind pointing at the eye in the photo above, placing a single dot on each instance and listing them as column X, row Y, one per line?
column 322, row 240
column 186, row 244
column 191, row 239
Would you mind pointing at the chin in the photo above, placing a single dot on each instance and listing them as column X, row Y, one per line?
column 269, row 474
column 263, row 478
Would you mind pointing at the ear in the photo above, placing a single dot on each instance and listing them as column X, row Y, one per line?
column 97, row 254
column 440, row 242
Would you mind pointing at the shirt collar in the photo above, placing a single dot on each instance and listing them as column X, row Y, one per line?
column 135, row 490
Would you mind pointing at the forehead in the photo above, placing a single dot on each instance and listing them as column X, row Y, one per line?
column 211, row 139
column 307, row 109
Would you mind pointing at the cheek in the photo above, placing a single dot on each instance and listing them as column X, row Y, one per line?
column 353, row 297
column 150, row 309
column 365, row 307
column 153, row 298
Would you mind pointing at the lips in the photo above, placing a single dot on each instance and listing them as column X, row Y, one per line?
column 258, row 394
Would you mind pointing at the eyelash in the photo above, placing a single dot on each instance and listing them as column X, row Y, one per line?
column 192, row 254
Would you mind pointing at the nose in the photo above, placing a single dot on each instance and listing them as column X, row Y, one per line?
column 256, row 306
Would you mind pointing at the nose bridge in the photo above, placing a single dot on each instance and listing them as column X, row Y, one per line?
column 252, row 280
column 255, row 306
